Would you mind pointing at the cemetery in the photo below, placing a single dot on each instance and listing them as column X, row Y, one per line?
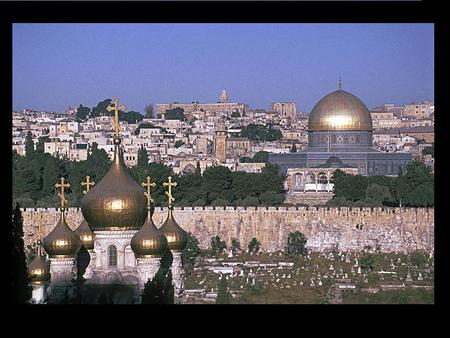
column 331, row 277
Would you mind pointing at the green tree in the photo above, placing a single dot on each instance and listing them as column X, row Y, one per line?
column 235, row 245
column 143, row 160
column 217, row 183
column 258, row 132
column 51, row 176
column 190, row 252
column 100, row 108
column 351, row 187
column 368, row 262
column 40, row 144
column 29, row 145
column 19, row 279
column 296, row 244
column 261, row 157
column 132, row 117
column 270, row 198
column 160, row 289
column 175, row 114
column 83, row 112
column 235, row 114
column 217, row 246
column 429, row 150
column 220, row 203
column 250, row 201
column 179, row 143
column 149, row 111
column 293, row 149
column 253, row 246
column 223, row 296
column 377, row 194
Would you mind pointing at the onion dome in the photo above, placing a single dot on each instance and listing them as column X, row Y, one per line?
column 148, row 241
column 86, row 235
column 38, row 269
column 62, row 242
column 116, row 202
column 340, row 110
column 176, row 236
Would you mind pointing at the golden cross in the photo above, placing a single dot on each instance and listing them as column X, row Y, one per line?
column 116, row 109
column 61, row 194
column 147, row 193
column 169, row 193
column 87, row 184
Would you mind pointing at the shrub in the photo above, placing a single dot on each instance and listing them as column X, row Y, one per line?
column 296, row 244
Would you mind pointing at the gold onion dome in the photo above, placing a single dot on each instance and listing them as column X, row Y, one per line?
column 176, row 236
column 116, row 202
column 340, row 110
column 86, row 235
column 62, row 242
column 38, row 269
column 149, row 241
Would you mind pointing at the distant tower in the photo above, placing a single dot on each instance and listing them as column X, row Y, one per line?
column 224, row 96
column 220, row 142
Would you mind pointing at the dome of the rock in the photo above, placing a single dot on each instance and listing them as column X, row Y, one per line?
column 340, row 110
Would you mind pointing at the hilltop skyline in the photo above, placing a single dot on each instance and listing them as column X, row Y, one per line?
column 69, row 64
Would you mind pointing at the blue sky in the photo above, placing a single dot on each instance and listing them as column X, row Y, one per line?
column 57, row 65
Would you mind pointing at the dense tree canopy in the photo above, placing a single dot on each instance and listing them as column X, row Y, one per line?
column 257, row 132
column 175, row 114
column 18, row 280
column 413, row 189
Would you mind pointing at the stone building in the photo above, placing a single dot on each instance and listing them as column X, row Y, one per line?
column 418, row 109
column 223, row 106
column 238, row 146
column 220, row 143
column 340, row 126
column 285, row 109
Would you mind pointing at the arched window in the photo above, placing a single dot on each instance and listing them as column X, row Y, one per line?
column 112, row 256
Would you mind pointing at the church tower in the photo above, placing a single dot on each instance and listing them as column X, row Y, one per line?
column 220, row 142
column 224, row 97
column 62, row 246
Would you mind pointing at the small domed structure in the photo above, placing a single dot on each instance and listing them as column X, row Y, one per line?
column 116, row 202
column 86, row 235
column 148, row 242
column 176, row 236
column 38, row 269
column 62, row 242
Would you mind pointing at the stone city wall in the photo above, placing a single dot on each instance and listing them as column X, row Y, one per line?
column 392, row 229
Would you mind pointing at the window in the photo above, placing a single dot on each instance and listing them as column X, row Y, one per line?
column 112, row 256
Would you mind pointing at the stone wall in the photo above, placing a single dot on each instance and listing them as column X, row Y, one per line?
column 393, row 229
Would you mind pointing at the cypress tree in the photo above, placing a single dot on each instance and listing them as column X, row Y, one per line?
column 223, row 296
column 21, row 292
column 159, row 290
column 29, row 145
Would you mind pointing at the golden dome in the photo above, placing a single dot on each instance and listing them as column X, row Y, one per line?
column 340, row 110
column 62, row 242
column 148, row 241
column 86, row 235
column 176, row 236
column 116, row 202
column 38, row 269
